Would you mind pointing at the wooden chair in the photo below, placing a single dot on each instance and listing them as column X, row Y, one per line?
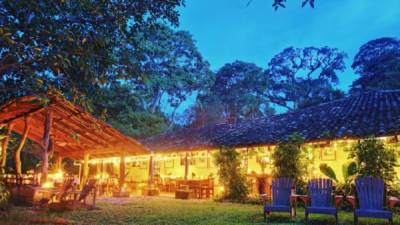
column 321, row 199
column 79, row 199
column 281, row 191
column 66, row 188
column 370, row 199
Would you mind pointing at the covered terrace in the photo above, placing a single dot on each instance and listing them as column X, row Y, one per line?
column 62, row 130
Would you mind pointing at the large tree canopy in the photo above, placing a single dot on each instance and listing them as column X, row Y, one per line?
column 73, row 44
column 234, row 95
column 171, row 67
column 118, row 59
column 301, row 76
column 378, row 64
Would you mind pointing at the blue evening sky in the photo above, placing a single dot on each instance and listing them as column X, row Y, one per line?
column 226, row 30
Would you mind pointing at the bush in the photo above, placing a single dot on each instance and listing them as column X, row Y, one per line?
column 4, row 197
column 374, row 159
column 288, row 159
column 229, row 171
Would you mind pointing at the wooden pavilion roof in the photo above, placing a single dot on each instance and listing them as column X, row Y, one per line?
column 74, row 131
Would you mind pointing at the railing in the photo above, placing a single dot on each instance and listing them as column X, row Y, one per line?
column 23, row 179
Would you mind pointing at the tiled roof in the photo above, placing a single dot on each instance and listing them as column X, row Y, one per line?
column 369, row 114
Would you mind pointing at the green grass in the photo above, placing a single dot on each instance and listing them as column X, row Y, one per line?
column 167, row 211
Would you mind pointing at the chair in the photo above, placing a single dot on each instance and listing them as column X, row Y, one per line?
column 370, row 195
column 66, row 188
column 281, row 190
column 321, row 199
column 79, row 199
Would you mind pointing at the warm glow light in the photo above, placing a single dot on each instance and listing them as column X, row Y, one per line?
column 58, row 175
column 48, row 184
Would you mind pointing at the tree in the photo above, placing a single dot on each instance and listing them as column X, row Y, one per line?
column 234, row 95
column 231, row 176
column 121, row 106
column 172, row 67
column 301, row 76
column 276, row 4
column 378, row 64
column 288, row 159
column 73, row 45
column 374, row 159
column 281, row 3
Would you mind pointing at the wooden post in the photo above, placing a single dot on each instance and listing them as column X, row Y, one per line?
column 18, row 170
column 47, row 145
column 151, row 169
column 4, row 146
column 58, row 162
column 186, row 165
column 122, row 171
column 85, row 169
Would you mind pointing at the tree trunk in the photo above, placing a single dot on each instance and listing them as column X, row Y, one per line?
column 18, row 170
column 46, row 146
column 4, row 146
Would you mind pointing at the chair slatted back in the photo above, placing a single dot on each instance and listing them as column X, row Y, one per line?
column 68, row 185
column 320, row 192
column 370, row 192
column 281, row 190
column 89, row 186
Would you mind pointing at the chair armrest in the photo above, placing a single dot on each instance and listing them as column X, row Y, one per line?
column 352, row 201
column 265, row 198
column 304, row 198
column 338, row 200
column 392, row 201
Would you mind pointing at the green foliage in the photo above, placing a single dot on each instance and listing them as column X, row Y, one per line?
column 75, row 45
column 328, row 171
column 378, row 64
column 374, row 159
column 4, row 196
column 349, row 171
column 229, row 171
column 288, row 158
column 304, row 76
column 276, row 4
column 235, row 94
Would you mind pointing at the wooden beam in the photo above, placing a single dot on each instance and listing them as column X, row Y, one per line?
column 21, row 146
column 4, row 146
column 46, row 145
column 28, row 113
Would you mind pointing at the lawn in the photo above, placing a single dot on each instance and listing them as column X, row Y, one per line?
column 168, row 211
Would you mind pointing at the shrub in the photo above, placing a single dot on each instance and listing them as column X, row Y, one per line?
column 374, row 159
column 4, row 197
column 288, row 160
column 229, row 171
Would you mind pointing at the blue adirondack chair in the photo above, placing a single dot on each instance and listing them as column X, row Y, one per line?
column 371, row 199
column 321, row 199
column 281, row 190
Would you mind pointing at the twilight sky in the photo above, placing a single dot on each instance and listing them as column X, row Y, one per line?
column 226, row 30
